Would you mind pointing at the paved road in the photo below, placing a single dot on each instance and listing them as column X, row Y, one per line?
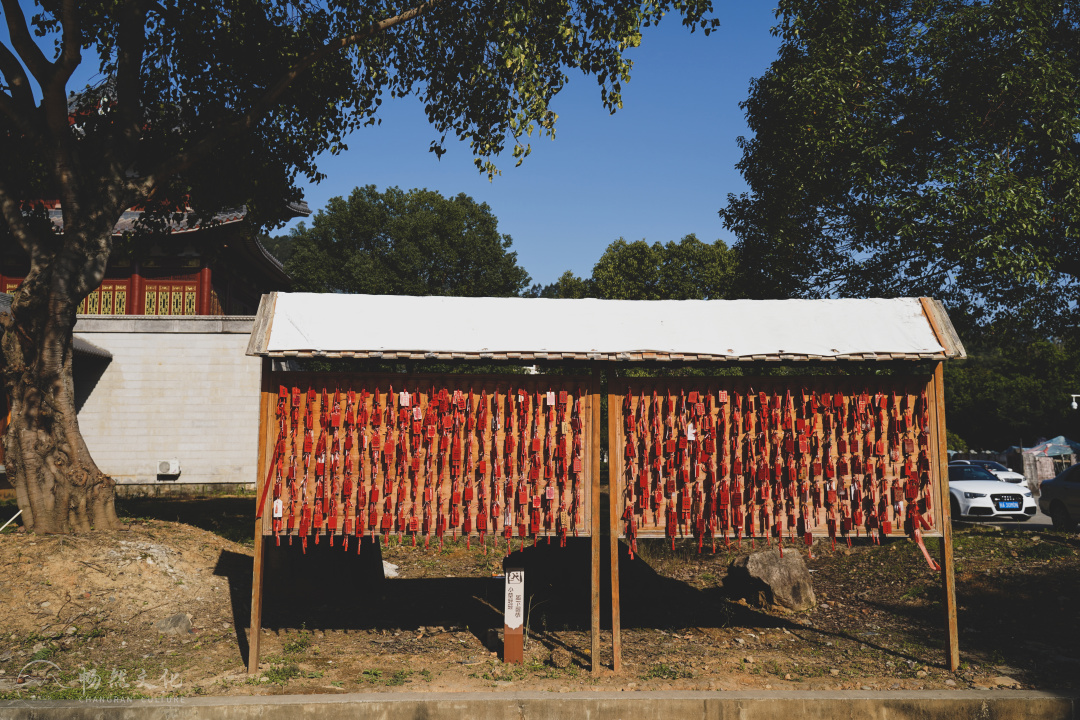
column 1039, row 521
column 750, row 704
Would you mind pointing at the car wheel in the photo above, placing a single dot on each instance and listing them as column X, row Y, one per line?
column 954, row 508
column 1061, row 518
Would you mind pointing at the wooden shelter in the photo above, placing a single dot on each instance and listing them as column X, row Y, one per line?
column 781, row 457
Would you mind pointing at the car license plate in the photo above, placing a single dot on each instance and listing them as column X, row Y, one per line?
column 1008, row 505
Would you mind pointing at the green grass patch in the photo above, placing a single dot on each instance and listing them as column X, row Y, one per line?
column 299, row 644
column 1045, row 551
column 664, row 671
column 399, row 678
column 45, row 653
column 914, row 593
column 281, row 674
column 500, row 672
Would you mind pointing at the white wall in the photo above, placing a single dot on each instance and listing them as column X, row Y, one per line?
column 175, row 388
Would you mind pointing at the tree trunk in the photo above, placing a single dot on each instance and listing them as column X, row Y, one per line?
column 58, row 486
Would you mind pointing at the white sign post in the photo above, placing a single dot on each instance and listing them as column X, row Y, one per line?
column 514, row 617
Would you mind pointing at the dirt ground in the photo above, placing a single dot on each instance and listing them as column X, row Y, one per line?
column 81, row 615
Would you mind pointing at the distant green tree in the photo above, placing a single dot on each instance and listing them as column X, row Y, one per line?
column 405, row 243
column 684, row 270
column 629, row 271
column 1013, row 390
column 280, row 246
column 955, row 442
column 906, row 147
column 569, row 286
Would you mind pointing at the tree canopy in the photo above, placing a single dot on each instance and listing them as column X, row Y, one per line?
column 914, row 147
column 685, row 270
column 405, row 243
column 568, row 287
column 228, row 102
column 1010, row 391
column 421, row 243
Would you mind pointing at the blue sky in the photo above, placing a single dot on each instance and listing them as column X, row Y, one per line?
column 658, row 169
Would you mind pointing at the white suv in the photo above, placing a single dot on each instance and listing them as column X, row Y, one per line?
column 1001, row 472
column 974, row 493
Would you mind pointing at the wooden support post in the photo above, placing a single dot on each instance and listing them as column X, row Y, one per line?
column 257, row 573
column 614, row 518
column 948, row 572
column 948, row 576
column 256, row 601
column 594, row 520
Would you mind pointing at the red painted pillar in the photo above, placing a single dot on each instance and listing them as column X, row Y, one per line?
column 204, row 290
column 137, row 306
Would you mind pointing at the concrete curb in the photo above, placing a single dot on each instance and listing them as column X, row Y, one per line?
column 851, row 705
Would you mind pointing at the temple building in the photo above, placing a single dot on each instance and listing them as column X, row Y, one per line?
column 213, row 268
column 166, row 397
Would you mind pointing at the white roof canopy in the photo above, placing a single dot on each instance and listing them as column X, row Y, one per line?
column 403, row 327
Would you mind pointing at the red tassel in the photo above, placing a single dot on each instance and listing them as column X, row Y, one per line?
column 926, row 554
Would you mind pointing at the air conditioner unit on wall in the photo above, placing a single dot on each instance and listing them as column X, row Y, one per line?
column 169, row 467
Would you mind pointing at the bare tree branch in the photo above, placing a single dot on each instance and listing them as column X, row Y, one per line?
column 53, row 81
column 16, row 79
column 131, row 45
column 24, row 44
column 12, row 214
column 19, row 104
column 9, row 107
column 71, row 48
column 57, row 115
column 157, row 8
column 247, row 121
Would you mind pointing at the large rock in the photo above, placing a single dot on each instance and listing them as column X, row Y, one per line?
column 767, row 579
column 178, row 624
